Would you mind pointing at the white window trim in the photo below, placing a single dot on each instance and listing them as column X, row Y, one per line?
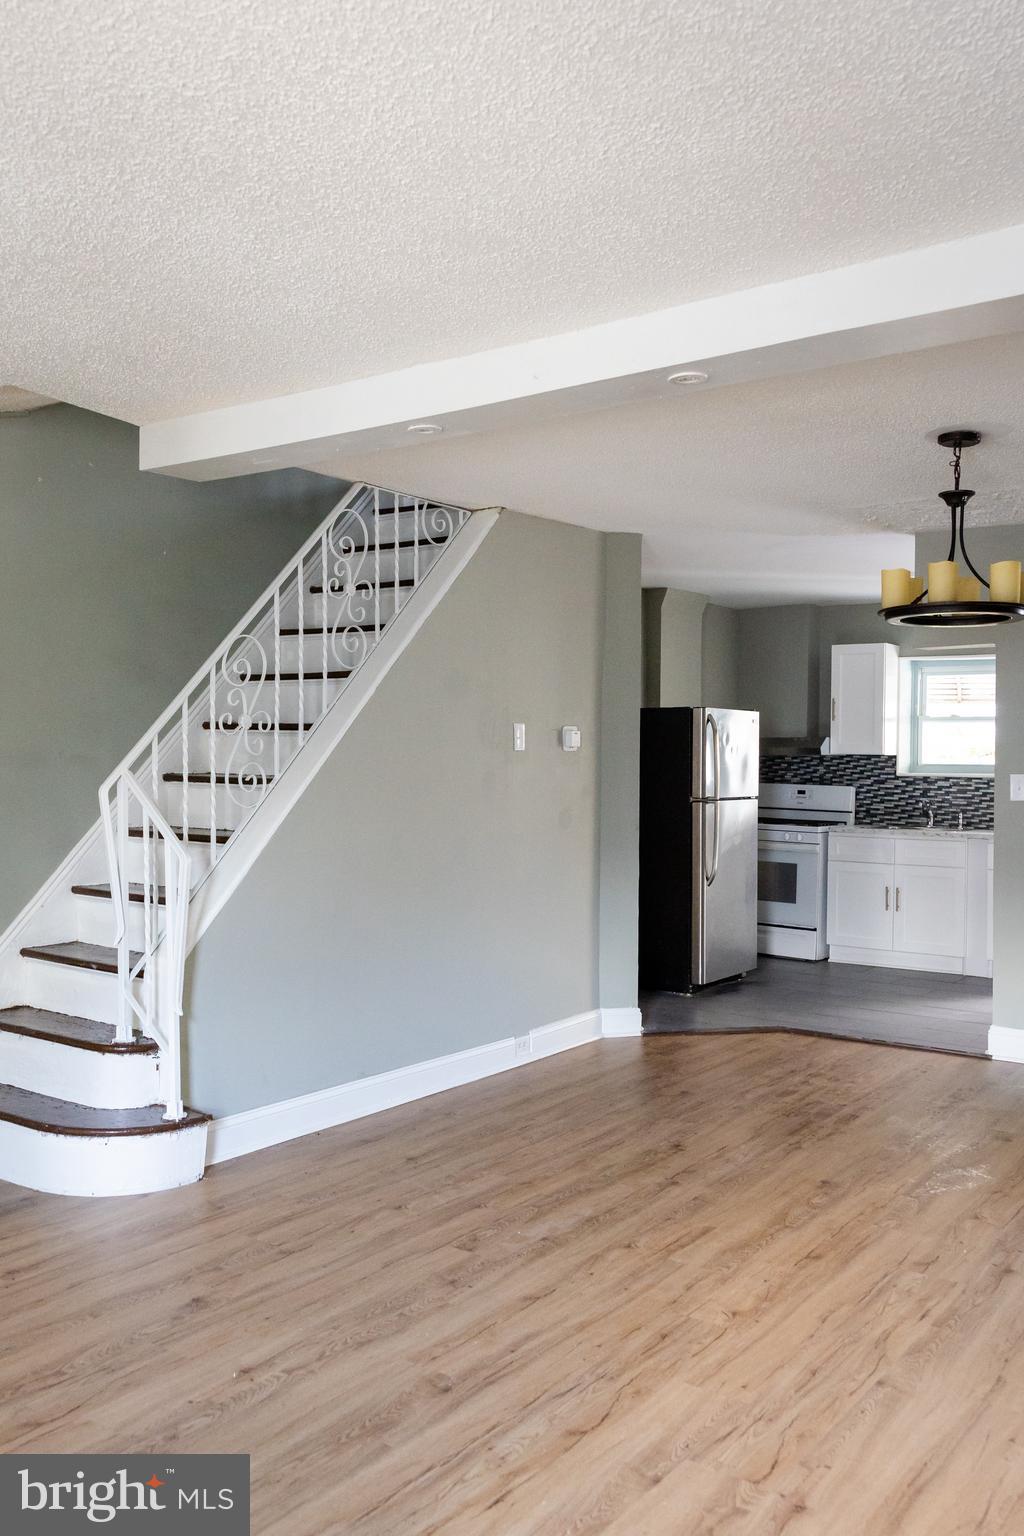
column 906, row 763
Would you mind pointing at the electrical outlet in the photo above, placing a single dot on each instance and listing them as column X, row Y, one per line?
column 523, row 1045
column 519, row 736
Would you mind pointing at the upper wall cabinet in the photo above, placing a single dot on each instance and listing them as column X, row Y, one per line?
column 863, row 715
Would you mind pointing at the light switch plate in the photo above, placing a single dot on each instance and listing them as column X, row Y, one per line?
column 519, row 736
column 1017, row 786
column 570, row 738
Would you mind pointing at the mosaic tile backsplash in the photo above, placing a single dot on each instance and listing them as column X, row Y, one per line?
column 883, row 800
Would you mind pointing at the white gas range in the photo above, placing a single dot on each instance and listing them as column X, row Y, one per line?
column 792, row 864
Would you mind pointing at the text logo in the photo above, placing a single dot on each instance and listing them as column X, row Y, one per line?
column 47, row 1494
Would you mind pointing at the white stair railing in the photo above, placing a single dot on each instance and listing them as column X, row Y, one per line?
column 219, row 748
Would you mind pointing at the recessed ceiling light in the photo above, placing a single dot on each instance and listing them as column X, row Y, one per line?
column 425, row 428
column 688, row 376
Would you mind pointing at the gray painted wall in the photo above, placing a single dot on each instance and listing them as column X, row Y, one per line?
column 673, row 647
column 652, row 599
column 1008, row 892
column 114, row 587
column 621, row 678
column 778, row 665
column 682, row 615
column 434, row 890
column 720, row 658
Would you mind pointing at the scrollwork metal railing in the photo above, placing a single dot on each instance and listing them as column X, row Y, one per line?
column 175, row 804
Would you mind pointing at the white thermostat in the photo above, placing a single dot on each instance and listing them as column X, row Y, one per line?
column 570, row 738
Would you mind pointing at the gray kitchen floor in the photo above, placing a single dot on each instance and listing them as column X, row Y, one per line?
column 859, row 1002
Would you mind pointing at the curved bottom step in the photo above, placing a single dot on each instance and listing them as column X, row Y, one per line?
column 63, row 1148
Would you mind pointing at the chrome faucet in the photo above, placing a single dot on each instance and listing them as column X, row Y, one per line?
column 929, row 812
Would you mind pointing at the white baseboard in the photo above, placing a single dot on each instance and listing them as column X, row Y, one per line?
column 1006, row 1044
column 252, row 1129
column 895, row 960
column 619, row 1022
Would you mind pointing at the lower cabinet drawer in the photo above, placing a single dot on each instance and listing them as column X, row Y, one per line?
column 933, row 853
column 860, row 850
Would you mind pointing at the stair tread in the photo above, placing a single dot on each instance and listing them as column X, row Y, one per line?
column 67, row 1029
column 195, row 834
column 41, row 1113
column 204, row 778
column 136, row 891
column 307, row 677
column 424, row 543
column 318, row 629
column 385, row 586
column 87, row 957
column 282, row 725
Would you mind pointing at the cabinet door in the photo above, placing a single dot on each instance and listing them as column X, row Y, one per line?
column 929, row 910
column 860, row 906
column 863, row 712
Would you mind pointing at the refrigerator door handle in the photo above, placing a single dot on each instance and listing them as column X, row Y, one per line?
column 709, row 875
column 711, row 724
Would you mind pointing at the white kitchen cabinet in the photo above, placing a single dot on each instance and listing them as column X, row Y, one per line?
column 860, row 906
column 898, row 901
column 928, row 911
column 864, row 712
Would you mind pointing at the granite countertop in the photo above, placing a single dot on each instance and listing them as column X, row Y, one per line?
column 908, row 832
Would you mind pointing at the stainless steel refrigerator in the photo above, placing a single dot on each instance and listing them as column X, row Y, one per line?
column 699, row 771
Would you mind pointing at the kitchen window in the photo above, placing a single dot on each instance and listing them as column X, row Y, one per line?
column 949, row 715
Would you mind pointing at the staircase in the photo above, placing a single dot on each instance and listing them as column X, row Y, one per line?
column 92, row 972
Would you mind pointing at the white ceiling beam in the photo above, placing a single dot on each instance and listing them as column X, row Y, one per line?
column 958, row 291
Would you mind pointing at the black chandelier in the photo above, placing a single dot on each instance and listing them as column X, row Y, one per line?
column 951, row 599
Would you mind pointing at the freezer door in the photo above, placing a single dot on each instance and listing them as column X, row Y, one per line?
column 725, row 754
column 724, row 931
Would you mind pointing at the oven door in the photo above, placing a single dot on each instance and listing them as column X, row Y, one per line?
column 789, row 885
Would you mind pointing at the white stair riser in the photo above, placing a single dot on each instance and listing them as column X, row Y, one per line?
column 69, row 989
column 95, row 921
column 101, row 1165
column 364, row 531
column 174, row 798
column 306, row 651
column 257, row 695
column 236, row 751
column 364, row 569
column 198, row 855
column 102, row 1079
column 347, row 608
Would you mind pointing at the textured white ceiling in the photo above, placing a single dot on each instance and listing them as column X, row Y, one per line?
column 751, row 492
column 207, row 203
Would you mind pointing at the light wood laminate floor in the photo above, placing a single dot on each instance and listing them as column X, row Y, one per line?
column 712, row 1285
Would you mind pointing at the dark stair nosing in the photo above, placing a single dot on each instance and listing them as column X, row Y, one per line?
column 195, row 834
column 424, row 543
column 204, row 778
column 136, row 891
column 59, row 1117
column 361, row 592
column 282, row 725
column 337, row 675
column 82, row 957
column 68, row 1029
column 318, row 629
